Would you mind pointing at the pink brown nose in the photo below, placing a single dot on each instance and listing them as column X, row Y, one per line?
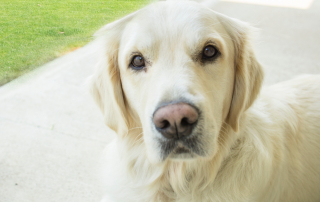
column 175, row 120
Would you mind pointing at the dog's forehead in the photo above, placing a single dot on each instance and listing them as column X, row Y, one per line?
column 172, row 22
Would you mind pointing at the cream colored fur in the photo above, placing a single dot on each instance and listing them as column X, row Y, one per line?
column 256, row 147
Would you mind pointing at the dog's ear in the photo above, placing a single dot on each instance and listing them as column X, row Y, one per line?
column 105, row 83
column 248, row 71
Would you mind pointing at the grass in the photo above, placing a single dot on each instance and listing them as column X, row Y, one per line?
column 35, row 32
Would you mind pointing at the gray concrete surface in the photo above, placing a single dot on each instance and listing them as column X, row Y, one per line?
column 51, row 132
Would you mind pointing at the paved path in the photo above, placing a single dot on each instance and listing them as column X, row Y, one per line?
column 51, row 132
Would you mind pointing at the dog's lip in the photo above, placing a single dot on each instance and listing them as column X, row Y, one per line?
column 181, row 150
column 185, row 146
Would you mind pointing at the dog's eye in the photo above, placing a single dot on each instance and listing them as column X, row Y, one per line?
column 209, row 52
column 137, row 62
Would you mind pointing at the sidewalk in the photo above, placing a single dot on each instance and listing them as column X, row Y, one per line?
column 52, row 133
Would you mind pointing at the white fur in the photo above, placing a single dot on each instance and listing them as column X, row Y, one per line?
column 256, row 147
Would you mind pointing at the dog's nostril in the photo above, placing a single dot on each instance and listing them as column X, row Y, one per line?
column 165, row 124
column 185, row 122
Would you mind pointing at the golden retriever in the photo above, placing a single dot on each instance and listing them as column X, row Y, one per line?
column 180, row 85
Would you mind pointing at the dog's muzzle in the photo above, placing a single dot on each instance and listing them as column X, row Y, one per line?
column 177, row 123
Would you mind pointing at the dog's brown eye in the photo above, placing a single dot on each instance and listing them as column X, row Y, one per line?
column 209, row 52
column 137, row 62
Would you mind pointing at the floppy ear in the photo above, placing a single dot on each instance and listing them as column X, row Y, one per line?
column 248, row 71
column 105, row 83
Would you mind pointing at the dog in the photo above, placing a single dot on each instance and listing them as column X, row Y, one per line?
column 181, row 87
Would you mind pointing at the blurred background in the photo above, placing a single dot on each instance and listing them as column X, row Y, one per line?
column 33, row 32
column 51, row 132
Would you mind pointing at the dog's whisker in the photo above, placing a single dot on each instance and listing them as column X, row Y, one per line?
column 137, row 139
column 135, row 128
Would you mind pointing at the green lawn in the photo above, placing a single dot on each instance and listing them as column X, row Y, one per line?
column 35, row 32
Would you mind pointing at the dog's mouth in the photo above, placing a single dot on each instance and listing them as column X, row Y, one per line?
column 181, row 153
column 188, row 148
column 181, row 150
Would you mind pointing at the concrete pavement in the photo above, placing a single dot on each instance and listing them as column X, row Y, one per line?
column 51, row 132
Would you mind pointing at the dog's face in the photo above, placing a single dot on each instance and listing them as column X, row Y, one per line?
column 171, row 69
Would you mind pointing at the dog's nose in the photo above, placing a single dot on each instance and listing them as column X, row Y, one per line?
column 175, row 120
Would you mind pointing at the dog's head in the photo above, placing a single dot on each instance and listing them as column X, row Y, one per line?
column 180, row 71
